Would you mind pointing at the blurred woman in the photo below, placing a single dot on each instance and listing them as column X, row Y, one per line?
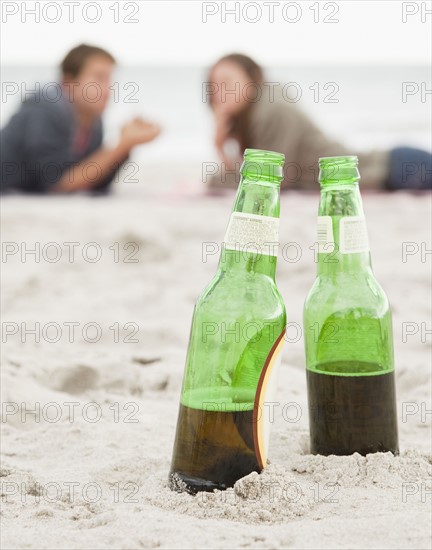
column 247, row 114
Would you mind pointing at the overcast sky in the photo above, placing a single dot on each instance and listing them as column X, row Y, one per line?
column 194, row 32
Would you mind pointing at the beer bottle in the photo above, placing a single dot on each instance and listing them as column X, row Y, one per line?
column 348, row 328
column 235, row 341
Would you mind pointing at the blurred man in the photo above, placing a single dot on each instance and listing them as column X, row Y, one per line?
column 54, row 142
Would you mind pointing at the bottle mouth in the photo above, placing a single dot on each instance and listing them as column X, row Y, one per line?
column 263, row 165
column 338, row 170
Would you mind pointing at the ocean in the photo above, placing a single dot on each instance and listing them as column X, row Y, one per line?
column 365, row 107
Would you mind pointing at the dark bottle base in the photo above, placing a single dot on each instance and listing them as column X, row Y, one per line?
column 352, row 414
column 212, row 449
column 192, row 485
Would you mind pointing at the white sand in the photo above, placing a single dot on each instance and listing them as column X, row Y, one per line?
column 120, row 467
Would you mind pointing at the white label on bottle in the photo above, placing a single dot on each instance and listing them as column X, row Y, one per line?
column 265, row 400
column 353, row 235
column 252, row 233
column 325, row 238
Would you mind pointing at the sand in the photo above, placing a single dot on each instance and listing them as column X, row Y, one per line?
column 88, row 468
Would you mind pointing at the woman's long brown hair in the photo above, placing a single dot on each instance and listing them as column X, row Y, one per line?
column 240, row 124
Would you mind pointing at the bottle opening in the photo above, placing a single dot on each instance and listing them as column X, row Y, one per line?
column 338, row 170
column 263, row 165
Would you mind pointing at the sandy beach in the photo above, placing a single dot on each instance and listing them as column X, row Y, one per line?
column 95, row 330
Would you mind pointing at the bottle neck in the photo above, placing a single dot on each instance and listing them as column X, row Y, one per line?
column 341, row 219
column 251, row 240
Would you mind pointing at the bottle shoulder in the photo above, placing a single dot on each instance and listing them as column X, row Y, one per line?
column 347, row 290
column 256, row 294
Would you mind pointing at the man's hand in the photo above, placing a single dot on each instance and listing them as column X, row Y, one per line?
column 137, row 132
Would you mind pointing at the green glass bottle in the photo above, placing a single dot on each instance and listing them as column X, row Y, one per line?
column 348, row 328
column 236, row 336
